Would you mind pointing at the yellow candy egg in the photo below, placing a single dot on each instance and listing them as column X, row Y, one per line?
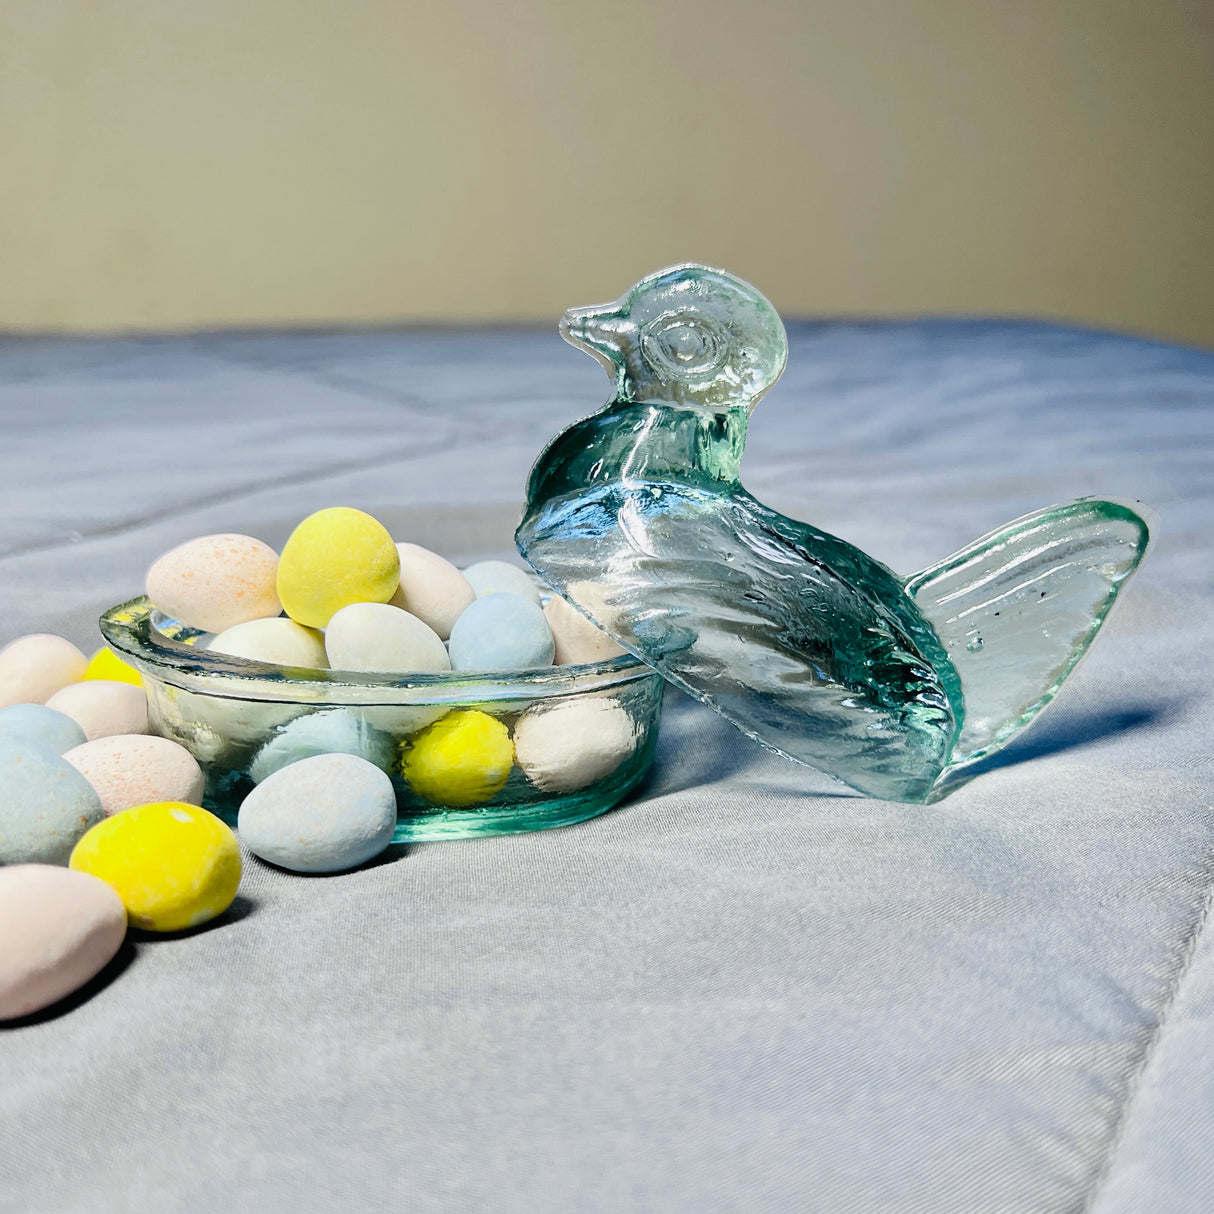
column 462, row 759
column 336, row 557
column 106, row 664
column 173, row 865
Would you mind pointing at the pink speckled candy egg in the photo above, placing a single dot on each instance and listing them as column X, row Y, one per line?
column 216, row 582
column 33, row 668
column 58, row 928
column 102, row 707
column 137, row 769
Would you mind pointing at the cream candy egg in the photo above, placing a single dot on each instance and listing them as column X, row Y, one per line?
column 570, row 745
column 431, row 588
column 136, row 769
column 58, row 928
column 280, row 641
column 102, row 707
column 33, row 668
column 380, row 637
column 578, row 640
column 216, row 581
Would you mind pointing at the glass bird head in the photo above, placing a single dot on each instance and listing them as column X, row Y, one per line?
column 687, row 335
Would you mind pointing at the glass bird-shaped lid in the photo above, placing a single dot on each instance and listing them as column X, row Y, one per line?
column 637, row 516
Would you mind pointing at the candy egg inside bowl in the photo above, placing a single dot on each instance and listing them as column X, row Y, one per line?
column 469, row 753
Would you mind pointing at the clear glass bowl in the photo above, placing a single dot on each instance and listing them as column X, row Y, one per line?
column 240, row 719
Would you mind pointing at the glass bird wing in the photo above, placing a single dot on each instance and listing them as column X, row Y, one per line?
column 805, row 653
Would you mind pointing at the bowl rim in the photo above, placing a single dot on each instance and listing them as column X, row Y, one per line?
column 135, row 630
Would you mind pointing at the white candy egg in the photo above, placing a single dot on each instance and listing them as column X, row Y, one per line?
column 33, row 668
column 379, row 637
column 569, row 745
column 280, row 640
column 216, row 581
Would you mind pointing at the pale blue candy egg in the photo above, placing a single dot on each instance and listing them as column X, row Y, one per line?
column 501, row 632
column 334, row 731
column 45, row 805
column 320, row 815
column 54, row 731
column 501, row 577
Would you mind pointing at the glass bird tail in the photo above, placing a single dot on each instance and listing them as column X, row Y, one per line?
column 1018, row 608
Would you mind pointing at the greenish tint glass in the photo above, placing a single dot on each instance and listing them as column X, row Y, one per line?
column 225, row 711
column 818, row 651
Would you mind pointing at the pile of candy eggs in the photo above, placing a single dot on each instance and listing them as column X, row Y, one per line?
column 121, row 808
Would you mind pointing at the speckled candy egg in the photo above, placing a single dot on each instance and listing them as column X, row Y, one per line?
column 173, row 865
column 566, row 746
column 320, row 815
column 501, row 632
column 41, row 726
column 333, row 558
column 58, row 929
column 216, row 581
column 102, row 707
column 383, row 638
column 46, row 805
column 431, row 588
column 33, row 668
column 578, row 640
column 280, row 641
column 136, row 769
column 501, row 577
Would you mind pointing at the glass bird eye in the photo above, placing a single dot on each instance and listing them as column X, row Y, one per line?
column 683, row 345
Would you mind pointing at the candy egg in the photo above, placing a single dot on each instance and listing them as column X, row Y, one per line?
column 280, row 641
column 578, row 639
column 501, row 577
column 333, row 558
column 463, row 759
column 58, row 929
column 33, row 668
column 106, row 664
column 173, row 865
column 379, row 637
column 501, row 632
column 333, row 731
column 41, row 726
column 216, row 581
column 102, row 707
column 135, row 769
column 320, row 815
column 569, row 745
column 45, row 805
column 431, row 588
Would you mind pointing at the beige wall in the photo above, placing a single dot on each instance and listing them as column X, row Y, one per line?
column 169, row 164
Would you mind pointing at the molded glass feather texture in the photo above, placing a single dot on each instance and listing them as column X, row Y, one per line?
column 810, row 646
